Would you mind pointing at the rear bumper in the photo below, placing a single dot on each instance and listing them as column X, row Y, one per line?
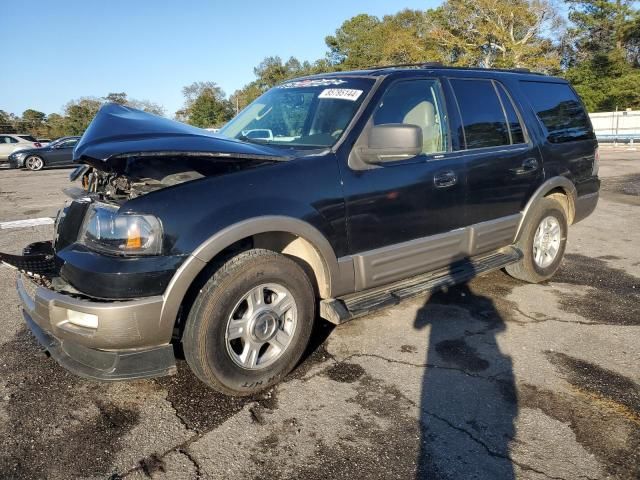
column 126, row 344
column 585, row 205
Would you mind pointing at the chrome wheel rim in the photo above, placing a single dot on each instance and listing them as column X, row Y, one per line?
column 261, row 326
column 546, row 242
column 34, row 163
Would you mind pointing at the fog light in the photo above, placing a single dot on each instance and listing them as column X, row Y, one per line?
column 81, row 319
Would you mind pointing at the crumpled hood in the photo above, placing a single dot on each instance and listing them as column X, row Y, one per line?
column 118, row 130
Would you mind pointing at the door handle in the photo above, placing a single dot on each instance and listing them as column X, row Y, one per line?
column 528, row 165
column 444, row 179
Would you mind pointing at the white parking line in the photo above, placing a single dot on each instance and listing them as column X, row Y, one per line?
column 30, row 222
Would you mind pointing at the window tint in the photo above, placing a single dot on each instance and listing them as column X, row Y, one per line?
column 4, row 139
column 28, row 138
column 416, row 102
column 560, row 111
column 515, row 128
column 482, row 115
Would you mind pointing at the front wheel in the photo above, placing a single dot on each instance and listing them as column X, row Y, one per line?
column 34, row 163
column 250, row 323
column 542, row 242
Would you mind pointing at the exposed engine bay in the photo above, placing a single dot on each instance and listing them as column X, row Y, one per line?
column 133, row 176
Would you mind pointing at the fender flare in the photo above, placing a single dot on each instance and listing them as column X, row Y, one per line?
column 205, row 252
column 551, row 184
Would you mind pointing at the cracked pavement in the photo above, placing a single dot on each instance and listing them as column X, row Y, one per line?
column 495, row 379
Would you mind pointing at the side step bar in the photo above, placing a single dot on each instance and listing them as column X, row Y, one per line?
column 342, row 309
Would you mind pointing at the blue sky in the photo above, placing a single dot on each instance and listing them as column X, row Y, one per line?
column 62, row 50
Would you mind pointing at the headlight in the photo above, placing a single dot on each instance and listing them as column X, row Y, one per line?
column 106, row 231
column 18, row 155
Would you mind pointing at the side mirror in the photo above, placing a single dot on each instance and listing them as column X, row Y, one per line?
column 392, row 142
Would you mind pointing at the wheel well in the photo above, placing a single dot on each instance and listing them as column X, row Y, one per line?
column 297, row 248
column 565, row 198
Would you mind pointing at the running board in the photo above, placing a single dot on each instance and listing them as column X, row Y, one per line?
column 342, row 309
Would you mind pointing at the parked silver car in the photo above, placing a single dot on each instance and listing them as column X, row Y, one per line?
column 11, row 142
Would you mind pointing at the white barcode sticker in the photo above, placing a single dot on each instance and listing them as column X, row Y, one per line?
column 341, row 94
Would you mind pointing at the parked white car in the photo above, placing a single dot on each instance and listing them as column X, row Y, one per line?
column 11, row 142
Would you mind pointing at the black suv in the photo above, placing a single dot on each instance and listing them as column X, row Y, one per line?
column 333, row 194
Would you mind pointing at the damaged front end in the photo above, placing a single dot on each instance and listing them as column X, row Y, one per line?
column 93, row 295
column 125, row 154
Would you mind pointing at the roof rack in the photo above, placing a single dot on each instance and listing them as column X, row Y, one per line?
column 404, row 65
column 441, row 65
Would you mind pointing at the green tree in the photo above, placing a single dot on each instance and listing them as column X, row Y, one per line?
column 145, row 105
column 603, row 53
column 205, row 105
column 7, row 122
column 600, row 26
column 56, row 126
column 79, row 113
column 118, row 97
column 496, row 33
column 33, row 122
column 366, row 40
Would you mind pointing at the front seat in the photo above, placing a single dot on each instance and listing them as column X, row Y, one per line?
column 424, row 116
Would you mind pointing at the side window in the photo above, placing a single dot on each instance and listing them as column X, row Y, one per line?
column 483, row 118
column 560, row 111
column 28, row 138
column 416, row 102
column 4, row 139
column 69, row 143
column 515, row 127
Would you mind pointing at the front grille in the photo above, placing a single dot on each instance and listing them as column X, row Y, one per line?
column 69, row 223
column 38, row 259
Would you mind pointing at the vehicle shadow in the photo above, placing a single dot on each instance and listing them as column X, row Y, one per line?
column 468, row 402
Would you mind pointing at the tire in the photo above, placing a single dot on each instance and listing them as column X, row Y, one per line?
column 34, row 163
column 223, row 304
column 532, row 269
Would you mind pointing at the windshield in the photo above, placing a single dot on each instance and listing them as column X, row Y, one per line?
column 303, row 113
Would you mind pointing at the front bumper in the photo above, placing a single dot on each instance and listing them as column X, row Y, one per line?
column 16, row 162
column 126, row 344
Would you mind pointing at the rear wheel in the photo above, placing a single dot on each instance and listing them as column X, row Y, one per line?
column 34, row 163
column 542, row 242
column 250, row 323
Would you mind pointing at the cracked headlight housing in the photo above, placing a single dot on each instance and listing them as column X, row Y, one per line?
column 104, row 230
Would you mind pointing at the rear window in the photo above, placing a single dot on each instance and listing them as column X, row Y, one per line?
column 560, row 111
column 488, row 121
column 28, row 138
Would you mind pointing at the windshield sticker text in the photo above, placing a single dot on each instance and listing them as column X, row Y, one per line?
column 321, row 82
column 341, row 94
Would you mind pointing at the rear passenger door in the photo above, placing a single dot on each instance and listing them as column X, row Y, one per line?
column 503, row 164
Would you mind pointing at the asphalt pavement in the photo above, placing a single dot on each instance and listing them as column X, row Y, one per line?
column 496, row 379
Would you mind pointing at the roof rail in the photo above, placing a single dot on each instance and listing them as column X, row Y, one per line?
column 402, row 65
column 441, row 65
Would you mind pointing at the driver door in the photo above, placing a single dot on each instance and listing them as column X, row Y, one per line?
column 62, row 153
column 404, row 217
